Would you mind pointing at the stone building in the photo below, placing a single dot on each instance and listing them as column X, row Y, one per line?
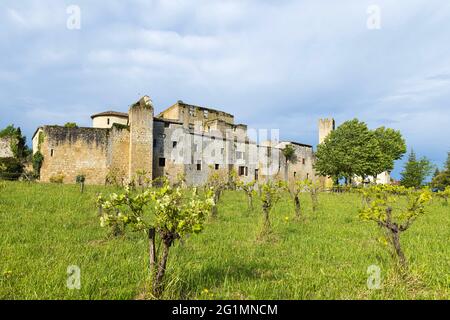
column 5, row 148
column 183, row 139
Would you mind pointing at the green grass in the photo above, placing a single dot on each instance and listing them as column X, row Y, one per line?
column 46, row 228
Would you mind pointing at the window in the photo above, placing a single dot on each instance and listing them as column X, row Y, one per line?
column 216, row 166
column 241, row 171
column 256, row 174
column 307, row 176
column 192, row 111
column 199, row 166
column 205, row 113
column 295, row 174
column 52, row 152
column 174, row 144
column 303, row 161
column 108, row 121
column 246, row 171
column 162, row 162
column 269, row 152
column 166, row 124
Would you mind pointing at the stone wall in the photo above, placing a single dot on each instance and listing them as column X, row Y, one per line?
column 141, row 137
column 5, row 148
column 119, row 152
column 75, row 151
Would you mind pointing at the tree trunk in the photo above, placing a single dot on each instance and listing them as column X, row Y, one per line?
column 158, row 287
column 152, row 251
column 398, row 249
column 82, row 187
column 297, row 206
column 286, row 171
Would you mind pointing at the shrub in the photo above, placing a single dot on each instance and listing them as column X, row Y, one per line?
column 57, row 178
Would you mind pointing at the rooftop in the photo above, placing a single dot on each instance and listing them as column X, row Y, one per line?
column 111, row 114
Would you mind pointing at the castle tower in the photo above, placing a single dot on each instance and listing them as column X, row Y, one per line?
column 325, row 128
column 141, row 137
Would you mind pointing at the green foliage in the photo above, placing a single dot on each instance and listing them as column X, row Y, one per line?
column 165, row 212
column 57, row 178
column 288, row 152
column 444, row 194
column 441, row 179
column 354, row 150
column 10, row 168
column 270, row 194
column 18, row 142
column 218, row 181
column 37, row 161
column 249, row 189
column 384, row 204
column 71, row 125
column 415, row 171
column 46, row 227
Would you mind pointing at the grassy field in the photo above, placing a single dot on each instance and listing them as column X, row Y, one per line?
column 46, row 228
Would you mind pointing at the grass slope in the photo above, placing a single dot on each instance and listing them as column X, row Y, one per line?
column 46, row 228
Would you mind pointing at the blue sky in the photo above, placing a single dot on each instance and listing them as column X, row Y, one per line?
column 274, row 64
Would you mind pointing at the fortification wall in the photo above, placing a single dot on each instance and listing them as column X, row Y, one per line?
column 118, row 152
column 5, row 148
column 74, row 151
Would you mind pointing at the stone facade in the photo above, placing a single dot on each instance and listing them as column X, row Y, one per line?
column 5, row 148
column 184, row 139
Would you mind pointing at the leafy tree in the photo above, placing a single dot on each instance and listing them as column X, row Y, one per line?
column 392, row 146
column 385, row 206
column 444, row 194
column 37, row 161
column 415, row 171
column 165, row 213
column 289, row 155
column 354, row 150
column 441, row 179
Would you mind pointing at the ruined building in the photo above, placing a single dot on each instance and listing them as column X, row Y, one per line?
column 184, row 139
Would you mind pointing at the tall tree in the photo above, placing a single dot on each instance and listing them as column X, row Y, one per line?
column 441, row 179
column 415, row 171
column 354, row 150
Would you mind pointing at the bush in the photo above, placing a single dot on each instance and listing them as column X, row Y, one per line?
column 58, row 178
column 10, row 169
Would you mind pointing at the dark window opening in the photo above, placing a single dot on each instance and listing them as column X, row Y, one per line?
column 295, row 174
column 256, row 174
column 174, row 144
column 199, row 166
column 166, row 124
column 304, row 161
column 246, row 171
column 52, row 152
column 162, row 162
column 217, row 166
column 241, row 171
column 108, row 121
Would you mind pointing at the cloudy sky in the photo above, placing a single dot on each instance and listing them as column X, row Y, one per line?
column 274, row 64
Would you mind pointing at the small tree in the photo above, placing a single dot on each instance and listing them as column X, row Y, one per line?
column 249, row 189
column 218, row 182
column 415, row 171
column 164, row 213
column 80, row 179
column 384, row 206
column 270, row 194
column 295, row 188
column 71, row 125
